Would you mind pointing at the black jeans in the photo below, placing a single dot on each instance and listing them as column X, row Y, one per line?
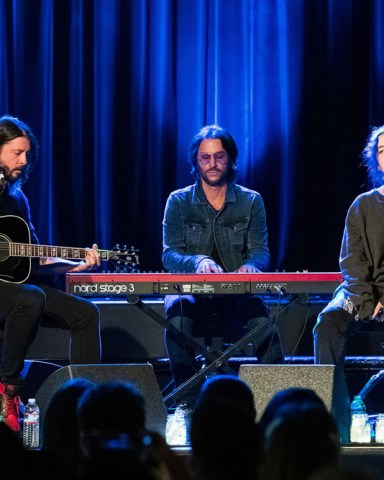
column 24, row 307
column 333, row 328
column 188, row 313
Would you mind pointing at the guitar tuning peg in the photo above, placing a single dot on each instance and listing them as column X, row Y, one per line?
column 124, row 248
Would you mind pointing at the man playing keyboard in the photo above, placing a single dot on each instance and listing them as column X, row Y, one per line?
column 215, row 226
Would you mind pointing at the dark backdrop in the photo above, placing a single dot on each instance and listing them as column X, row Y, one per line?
column 116, row 89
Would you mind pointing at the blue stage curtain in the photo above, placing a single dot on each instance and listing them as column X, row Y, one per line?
column 116, row 89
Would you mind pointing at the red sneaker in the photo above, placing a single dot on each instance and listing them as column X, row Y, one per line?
column 2, row 389
column 10, row 406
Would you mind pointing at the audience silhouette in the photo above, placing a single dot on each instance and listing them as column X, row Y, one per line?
column 17, row 462
column 342, row 473
column 114, row 439
column 300, row 436
column 98, row 430
column 226, row 442
column 12, row 453
column 60, row 432
column 287, row 399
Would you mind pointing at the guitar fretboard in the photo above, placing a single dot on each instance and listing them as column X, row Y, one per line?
column 31, row 250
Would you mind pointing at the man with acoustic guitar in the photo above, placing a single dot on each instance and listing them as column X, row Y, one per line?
column 25, row 300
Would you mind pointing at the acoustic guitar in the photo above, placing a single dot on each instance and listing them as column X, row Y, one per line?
column 16, row 251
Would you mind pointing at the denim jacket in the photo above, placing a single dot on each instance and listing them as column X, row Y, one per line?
column 191, row 226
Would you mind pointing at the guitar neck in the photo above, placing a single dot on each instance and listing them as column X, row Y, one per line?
column 32, row 250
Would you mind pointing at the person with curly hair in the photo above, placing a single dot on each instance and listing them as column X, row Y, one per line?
column 358, row 302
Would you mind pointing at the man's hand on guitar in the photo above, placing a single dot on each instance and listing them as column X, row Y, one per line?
column 91, row 261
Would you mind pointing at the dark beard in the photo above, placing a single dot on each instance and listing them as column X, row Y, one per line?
column 7, row 177
column 222, row 180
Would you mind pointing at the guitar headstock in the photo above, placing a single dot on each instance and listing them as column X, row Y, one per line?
column 124, row 258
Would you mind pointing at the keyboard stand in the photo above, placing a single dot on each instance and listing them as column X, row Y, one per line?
column 217, row 361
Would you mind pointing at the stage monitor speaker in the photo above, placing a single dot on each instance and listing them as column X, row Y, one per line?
column 34, row 374
column 141, row 375
column 266, row 380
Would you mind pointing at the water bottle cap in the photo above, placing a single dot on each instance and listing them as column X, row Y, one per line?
column 31, row 400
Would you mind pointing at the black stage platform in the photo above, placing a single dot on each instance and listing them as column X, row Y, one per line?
column 364, row 457
column 367, row 458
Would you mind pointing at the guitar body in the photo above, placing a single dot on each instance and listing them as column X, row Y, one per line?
column 13, row 269
column 16, row 251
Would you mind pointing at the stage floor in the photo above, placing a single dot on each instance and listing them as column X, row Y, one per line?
column 368, row 458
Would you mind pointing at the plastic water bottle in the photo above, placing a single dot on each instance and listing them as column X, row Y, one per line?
column 360, row 427
column 357, row 406
column 176, row 430
column 31, row 425
column 379, row 431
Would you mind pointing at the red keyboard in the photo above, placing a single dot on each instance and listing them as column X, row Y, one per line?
column 119, row 284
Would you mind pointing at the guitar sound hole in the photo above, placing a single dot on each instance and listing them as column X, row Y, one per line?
column 4, row 247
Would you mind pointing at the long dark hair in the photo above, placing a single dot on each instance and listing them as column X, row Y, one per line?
column 229, row 144
column 11, row 128
column 376, row 176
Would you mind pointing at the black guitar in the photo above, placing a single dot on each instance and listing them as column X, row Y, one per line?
column 16, row 251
